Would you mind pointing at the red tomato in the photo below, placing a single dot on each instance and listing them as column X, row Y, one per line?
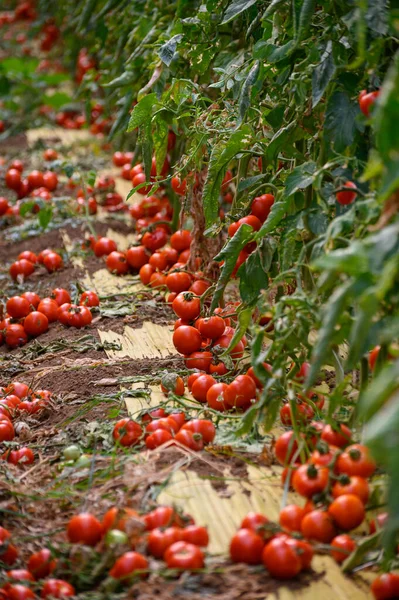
column 19, row 575
column 57, row 588
column 199, row 360
column 256, row 523
column 158, row 438
column 251, row 220
column 212, row 327
column 19, row 592
column 186, row 306
column 187, row 339
column 137, row 257
column 172, row 383
column 179, row 187
column 355, row 460
column 4, row 206
column 240, row 392
column 201, row 385
column 286, row 447
column 119, row 519
column 218, row 368
column 129, row 565
column 53, row 262
column 17, row 307
column 50, row 180
column 178, row 282
column 19, row 389
column 367, row 100
column 373, row 355
column 50, row 154
column 246, row 546
column 146, row 273
column 281, row 559
column 22, row 457
column 204, row 427
column 347, row 511
column 261, row 206
column 28, row 255
column 61, row 296
column 251, row 373
column 49, row 308
column 166, row 424
column 127, row 432
column 8, row 552
column 157, row 280
column 215, row 397
column 309, row 480
column 352, row 485
column 345, row 544
column 15, row 336
column 104, row 246
column 139, row 179
column 35, row 179
column 184, row 557
column 163, row 516
column 22, row 268
column 318, row 525
column 338, row 436
column 345, row 196
column 385, row 586
column 13, row 179
column 153, row 240
column 89, row 299
column 190, row 440
column 159, row 540
column 194, row 534
column 181, row 240
column 116, row 263
column 41, row 563
column 159, row 262
column 291, row 517
column 84, row 528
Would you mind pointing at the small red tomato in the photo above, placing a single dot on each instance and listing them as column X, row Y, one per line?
column 184, row 557
column 281, row 559
column 347, row 511
column 246, row 546
column 57, row 588
column 129, row 565
column 345, row 545
column 318, row 525
column 89, row 299
column 41, row 563
column 127, row 432
column 194, row 534
column 345, row 197
column 61, row 296
column 116, row 263
column 385, row 586
column 291, row 517
column 17, row 307
column 158, row 438
column 53, row 262
column 84, row 528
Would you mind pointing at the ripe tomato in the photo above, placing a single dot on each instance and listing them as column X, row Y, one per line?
column 50, row 154
column 17, row 307
column 116, row 263
column 49, row 308
column 240, row 392
column 53, row 262
column 137, row 257
column 104, row 246
column 153, row 240
column 291, row 517
column 256, row 523
column 146, row 273
column 218, row 368
column 179, row 417
column 347, row 511
column 8, row 552
column 356, row 460
column 224, row 342
column 212, row 327
column 201, row 385
column 184, row 557
column 178, row 186
column 304, row 413
column 246, row 546
column 35, row 179
column 167, row 424
column 309, row 480
column 248, row 220
column 28, row 255
column 57, row 588
column 13, row 179
column 199, row 287
column 50, row 180
column 159, row 540
column 178, row 282
column 157, row 280
column 118, row 518
column 172, row 383
column 186, row 306
column 338, row 436
column 22, row 268
column 84, row 528
column 15, row 335
column 61, row 296
column 215, row 397
column 281, row 559
column 41, row 563
column 385, row 586
column 4, row 205
column 352, row 485
column 190, row 440
column 89, row 299
column 324, row 455
column 367, row 100
column 19, row 389
column 346, row 197
column 318, row 525
column 163, row 516
column 199, row 360
column 181, row 240
column 19, row 592
column 186, row 339
column 345, row 544
column 21, row 457
column 286, row 447
column 129, row 565
column 204, row 427
column 194, row 534
column 32, row 298
column 127, row 432
column 158, row 261
column 261, row 206
column 18, row 575
column 158, row 438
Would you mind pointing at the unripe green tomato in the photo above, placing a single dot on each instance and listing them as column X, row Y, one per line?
column 83, row 461
column 72, row 452
column 115, row 537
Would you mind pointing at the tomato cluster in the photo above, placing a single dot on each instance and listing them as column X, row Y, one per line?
column 28, row 316
column 28, row 261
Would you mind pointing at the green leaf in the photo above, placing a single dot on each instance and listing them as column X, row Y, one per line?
column 167, row 50
column 322, row 74
column 280, row 140
column 142, row 112
column 44, row 216
column 364, row 316
column 244, row 99
column 88, row 10
column 379, row 391
column 377, row 16
column 145, row 138
column 252, row 278
column 340, row 124
column 352, row 260
column 235, row 8
column 160, row 140
column 271, row 8
column 300, row 178
column 276, row 214
column 250, row 181
column 244, row 321
column 221, row 155
column 122, row 115
column 363, row 547
column 305, row 18
column 229, row 255
column 26, row 207
column 57, row 100
column 381, row 431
